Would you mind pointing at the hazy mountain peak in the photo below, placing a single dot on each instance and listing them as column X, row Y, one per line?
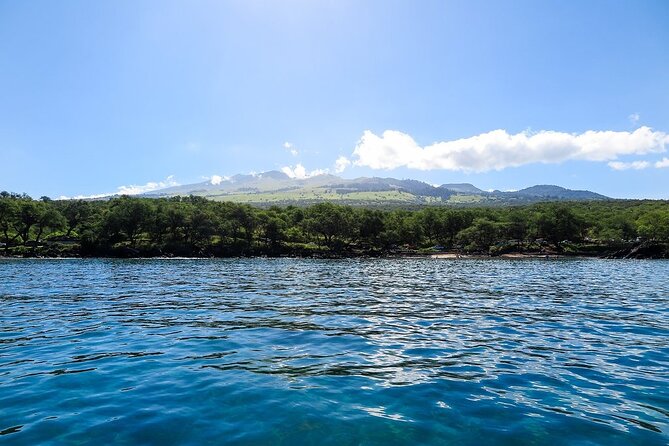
column 559, row 192
column 462, row 187
column 274, row 174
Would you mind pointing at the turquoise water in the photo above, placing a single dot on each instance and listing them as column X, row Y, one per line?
column 359, row 352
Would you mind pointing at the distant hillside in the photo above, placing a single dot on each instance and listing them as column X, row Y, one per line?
column 557, row 192
column 464, row 188
column 277, row 188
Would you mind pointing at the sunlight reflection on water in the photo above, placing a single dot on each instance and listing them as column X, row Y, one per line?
column 287, row 351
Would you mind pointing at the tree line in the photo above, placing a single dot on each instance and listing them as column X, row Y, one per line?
column 194, row 226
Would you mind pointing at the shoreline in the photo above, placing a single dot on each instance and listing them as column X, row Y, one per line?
column 434, row 256
column 641, row 250
column 510, row 256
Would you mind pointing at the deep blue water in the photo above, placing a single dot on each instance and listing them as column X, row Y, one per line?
column 360, row 352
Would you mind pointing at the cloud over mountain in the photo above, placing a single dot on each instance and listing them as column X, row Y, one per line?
column 132, row 189
column 300, row 172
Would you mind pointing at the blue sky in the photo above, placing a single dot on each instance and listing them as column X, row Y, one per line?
column 99, row 95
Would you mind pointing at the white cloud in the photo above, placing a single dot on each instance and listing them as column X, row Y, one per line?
column 294, row 172
column 300, row 173
column 497, row 150
column 639, row 165
column 84, row 197
column 217, row 179
column 634, row 118
column 291, row 148
column 148, row 187
column 316, row 172
column 130, row 190
column 634, row 165
column 664, row 162
column 341, row 164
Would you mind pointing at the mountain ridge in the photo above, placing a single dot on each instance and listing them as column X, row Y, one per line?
column 277, row 188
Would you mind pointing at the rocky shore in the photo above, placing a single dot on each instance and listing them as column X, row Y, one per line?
column 640, row 250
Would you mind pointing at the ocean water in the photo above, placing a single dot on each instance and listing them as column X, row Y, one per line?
column 334, row 352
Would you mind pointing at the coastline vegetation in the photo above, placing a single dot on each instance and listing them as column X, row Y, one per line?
column 194, row 226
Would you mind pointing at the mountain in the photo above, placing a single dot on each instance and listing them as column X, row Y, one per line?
column 462, row 187
column 560, row 193
column 277, row 188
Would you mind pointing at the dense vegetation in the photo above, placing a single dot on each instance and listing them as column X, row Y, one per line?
column 194, row 226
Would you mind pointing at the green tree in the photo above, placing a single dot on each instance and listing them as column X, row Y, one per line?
column 128, row 217
column 49, row 219
column 480, row 235
column 516, row 226
column 401, row 228
column 432, row 224
column 76, row 212
column 201, row 225
column 28, row 216
column 454, row 222
column 9, row 211
column 272, row 228
column 176, row 217
column 557, row 223
column 654, row 225
column 371, row 225
column 332, row 222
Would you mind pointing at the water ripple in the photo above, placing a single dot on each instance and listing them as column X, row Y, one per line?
column 285, row 351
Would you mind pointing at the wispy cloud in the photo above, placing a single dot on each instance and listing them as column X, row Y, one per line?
column 497, row 150
column 634, row 118
column 148, row 187
column 639, row 165
column 291, row 148
column 634, row 165
column 129, row 190
column 664, row 162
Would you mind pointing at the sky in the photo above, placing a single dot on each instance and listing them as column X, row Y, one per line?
column 132, row 95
